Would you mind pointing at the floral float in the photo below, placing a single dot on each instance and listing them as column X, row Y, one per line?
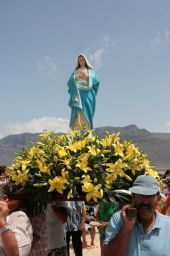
column 77, row 165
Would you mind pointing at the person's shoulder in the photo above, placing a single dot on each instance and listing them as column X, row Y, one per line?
column 117, row 213
column 163, row 219
column 116, row 216
column 18, row 214
column 19, row 219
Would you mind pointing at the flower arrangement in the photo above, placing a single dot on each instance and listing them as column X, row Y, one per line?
column 77, row 164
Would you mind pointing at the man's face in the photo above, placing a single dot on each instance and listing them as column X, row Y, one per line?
column 145, row 205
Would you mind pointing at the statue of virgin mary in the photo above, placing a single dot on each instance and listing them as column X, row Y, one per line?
column 82, row 88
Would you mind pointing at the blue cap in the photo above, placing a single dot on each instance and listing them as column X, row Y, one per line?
column 145, row 185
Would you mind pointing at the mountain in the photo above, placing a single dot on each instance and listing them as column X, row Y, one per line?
column 155, row 145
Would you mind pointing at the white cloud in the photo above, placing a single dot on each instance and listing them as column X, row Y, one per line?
column 107, row 44
column 36, row 126
column 161, row 38
column 156, row 41
column 98, row 58
column 167, row 36
column 48, row 67
column 168, row 124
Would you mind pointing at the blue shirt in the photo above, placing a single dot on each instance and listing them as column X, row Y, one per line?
column 154, row 243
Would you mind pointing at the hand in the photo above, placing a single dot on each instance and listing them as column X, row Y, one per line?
column 4, row 210
column 81, row 75
column 84, row 75
column 103, row 224
column 128, row 222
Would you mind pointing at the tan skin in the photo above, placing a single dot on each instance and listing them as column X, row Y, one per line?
column 9, row 242
column 83, row 216
column 146, row 206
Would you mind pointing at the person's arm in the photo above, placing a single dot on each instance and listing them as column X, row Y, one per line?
column 118, row 246
column 9, row 242
column 83, row 218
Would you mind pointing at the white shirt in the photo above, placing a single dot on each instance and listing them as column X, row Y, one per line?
column 20, row 225
column 55, row 228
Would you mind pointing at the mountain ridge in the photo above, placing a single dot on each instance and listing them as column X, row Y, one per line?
column 156, row 145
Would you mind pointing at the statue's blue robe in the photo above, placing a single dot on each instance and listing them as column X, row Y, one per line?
column 83, row 98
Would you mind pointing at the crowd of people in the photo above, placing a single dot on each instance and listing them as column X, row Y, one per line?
column 49, row 233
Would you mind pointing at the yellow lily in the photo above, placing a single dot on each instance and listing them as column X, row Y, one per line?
column 83, row 162
column 131, row 151
column 93, row 191
column 24, row 164
column 60, row 151
column 42, row 167
column 70, row 194
column 119, row 149
column 46, row 135
column 21, row 177
column 117, row 166
column 86, row 179
column 93, row 150
column 115, row 170
column 78, row 144
column 58, row 183
column 67, row 163
column 110, row 139
column 134, row 166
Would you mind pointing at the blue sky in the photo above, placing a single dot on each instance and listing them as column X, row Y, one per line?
column 130, row 40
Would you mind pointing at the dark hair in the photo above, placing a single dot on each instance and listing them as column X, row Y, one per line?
column 78, row 66
column 2, row 169
column 167, row 173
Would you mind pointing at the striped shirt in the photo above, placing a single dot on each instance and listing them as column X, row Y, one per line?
column 75, row 215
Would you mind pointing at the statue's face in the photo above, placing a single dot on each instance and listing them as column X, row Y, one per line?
column 82, row 61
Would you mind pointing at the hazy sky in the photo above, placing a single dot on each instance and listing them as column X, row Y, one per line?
column 130, row 41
